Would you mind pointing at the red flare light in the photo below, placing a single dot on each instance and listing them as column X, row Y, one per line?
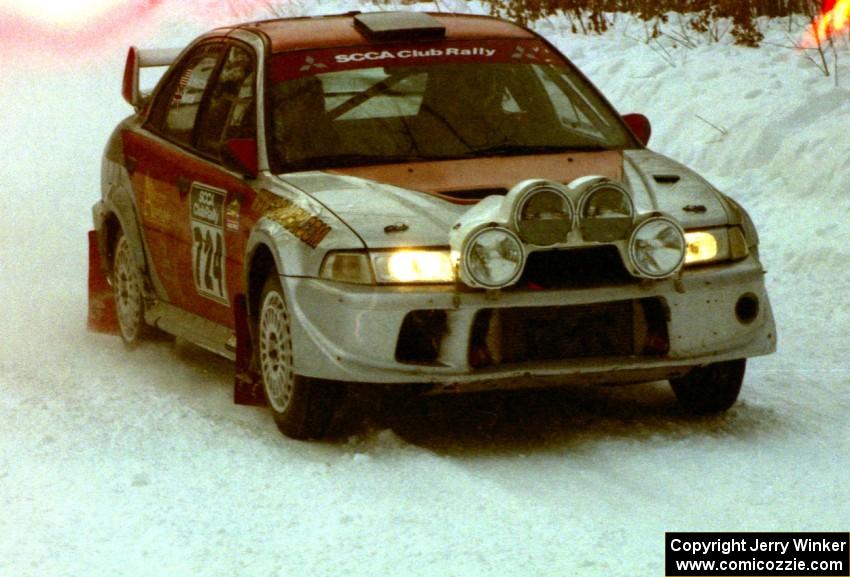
column 834, row 19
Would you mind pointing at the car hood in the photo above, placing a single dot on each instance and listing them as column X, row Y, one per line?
column 385, row 215
column 661, row 184
column 382, row 215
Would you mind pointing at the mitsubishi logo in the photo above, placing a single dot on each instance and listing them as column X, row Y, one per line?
column 310, row 63
column 521, row 53
column 535, row 53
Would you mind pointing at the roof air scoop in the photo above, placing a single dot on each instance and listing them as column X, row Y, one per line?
column 399, row 26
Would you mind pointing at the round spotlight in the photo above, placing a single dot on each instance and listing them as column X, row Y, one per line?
column 606, row 212
column 657, row 248
column 543, row 214
column 492, row 258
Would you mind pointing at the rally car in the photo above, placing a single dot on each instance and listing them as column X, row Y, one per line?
column 440, row 202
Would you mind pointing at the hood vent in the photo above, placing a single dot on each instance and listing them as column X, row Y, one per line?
column 666, row 178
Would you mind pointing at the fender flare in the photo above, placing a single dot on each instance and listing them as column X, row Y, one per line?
column 118, row 204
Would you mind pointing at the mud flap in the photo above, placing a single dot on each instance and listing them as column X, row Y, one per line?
column 102, row 317
column 247, row 386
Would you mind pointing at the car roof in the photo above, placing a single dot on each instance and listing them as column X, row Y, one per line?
column 288, row 34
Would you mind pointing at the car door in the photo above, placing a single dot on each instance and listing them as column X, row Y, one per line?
column 191, row 204
column 219, row 195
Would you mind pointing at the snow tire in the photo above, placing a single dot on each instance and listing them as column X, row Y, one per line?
column 302, row 407
column 128, row 287
column 710, row 389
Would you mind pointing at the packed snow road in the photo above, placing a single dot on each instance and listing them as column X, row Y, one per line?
column 137, row 463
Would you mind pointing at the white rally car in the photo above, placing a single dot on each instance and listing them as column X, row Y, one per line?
column 434, row 201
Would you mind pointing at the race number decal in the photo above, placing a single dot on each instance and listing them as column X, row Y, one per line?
column 208, row 253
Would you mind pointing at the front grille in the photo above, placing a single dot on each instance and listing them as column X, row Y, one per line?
column 574, row 268
column 615, row 329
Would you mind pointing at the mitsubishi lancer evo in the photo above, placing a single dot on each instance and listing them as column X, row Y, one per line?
column 440, row 202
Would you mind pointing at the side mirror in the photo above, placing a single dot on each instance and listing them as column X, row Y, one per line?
column 640, row 127
column 241, row 154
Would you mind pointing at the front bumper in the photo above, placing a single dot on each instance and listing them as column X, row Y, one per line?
column 351, row 333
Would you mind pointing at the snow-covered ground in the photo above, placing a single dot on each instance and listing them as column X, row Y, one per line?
column 138, row 464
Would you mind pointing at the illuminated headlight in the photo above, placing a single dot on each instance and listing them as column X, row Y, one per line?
column 719, row 244
column 543, row 215
column 492, row 258
column 702, row 247
column 657, row 248
column 414, row 266
column 606, row 213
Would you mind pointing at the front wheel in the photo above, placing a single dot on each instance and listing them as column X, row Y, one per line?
column 302, row 407
column 710, row 389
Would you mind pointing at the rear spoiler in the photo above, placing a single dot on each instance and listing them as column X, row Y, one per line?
column 138, row 59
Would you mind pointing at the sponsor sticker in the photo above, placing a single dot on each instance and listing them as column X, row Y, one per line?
column 406, row 54
column 305, row 226
column 291, row 65
column 155, row 203
column 232, row 215
column 208, row 248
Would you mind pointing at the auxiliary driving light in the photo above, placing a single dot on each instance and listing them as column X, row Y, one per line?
column 543, row 213
column 657, row 247
column 492, row 258
column 606, row 212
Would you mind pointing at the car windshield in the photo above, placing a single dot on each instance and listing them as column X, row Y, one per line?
column 433, row 111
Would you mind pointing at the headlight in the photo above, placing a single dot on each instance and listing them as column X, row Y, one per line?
column 492, row 258
column 714, row 245
column 606, row 212
column 702, row 247
column 413, row 266
column 390, row 267
column 543, row 214
column 657, row 248
column 352, row 267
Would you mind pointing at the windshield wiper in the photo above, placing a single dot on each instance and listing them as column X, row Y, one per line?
column 341, row 160
column 355, row 159
column 520, row 149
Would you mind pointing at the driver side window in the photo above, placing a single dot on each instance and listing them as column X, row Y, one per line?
column 177, row 106
column 231, row 110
